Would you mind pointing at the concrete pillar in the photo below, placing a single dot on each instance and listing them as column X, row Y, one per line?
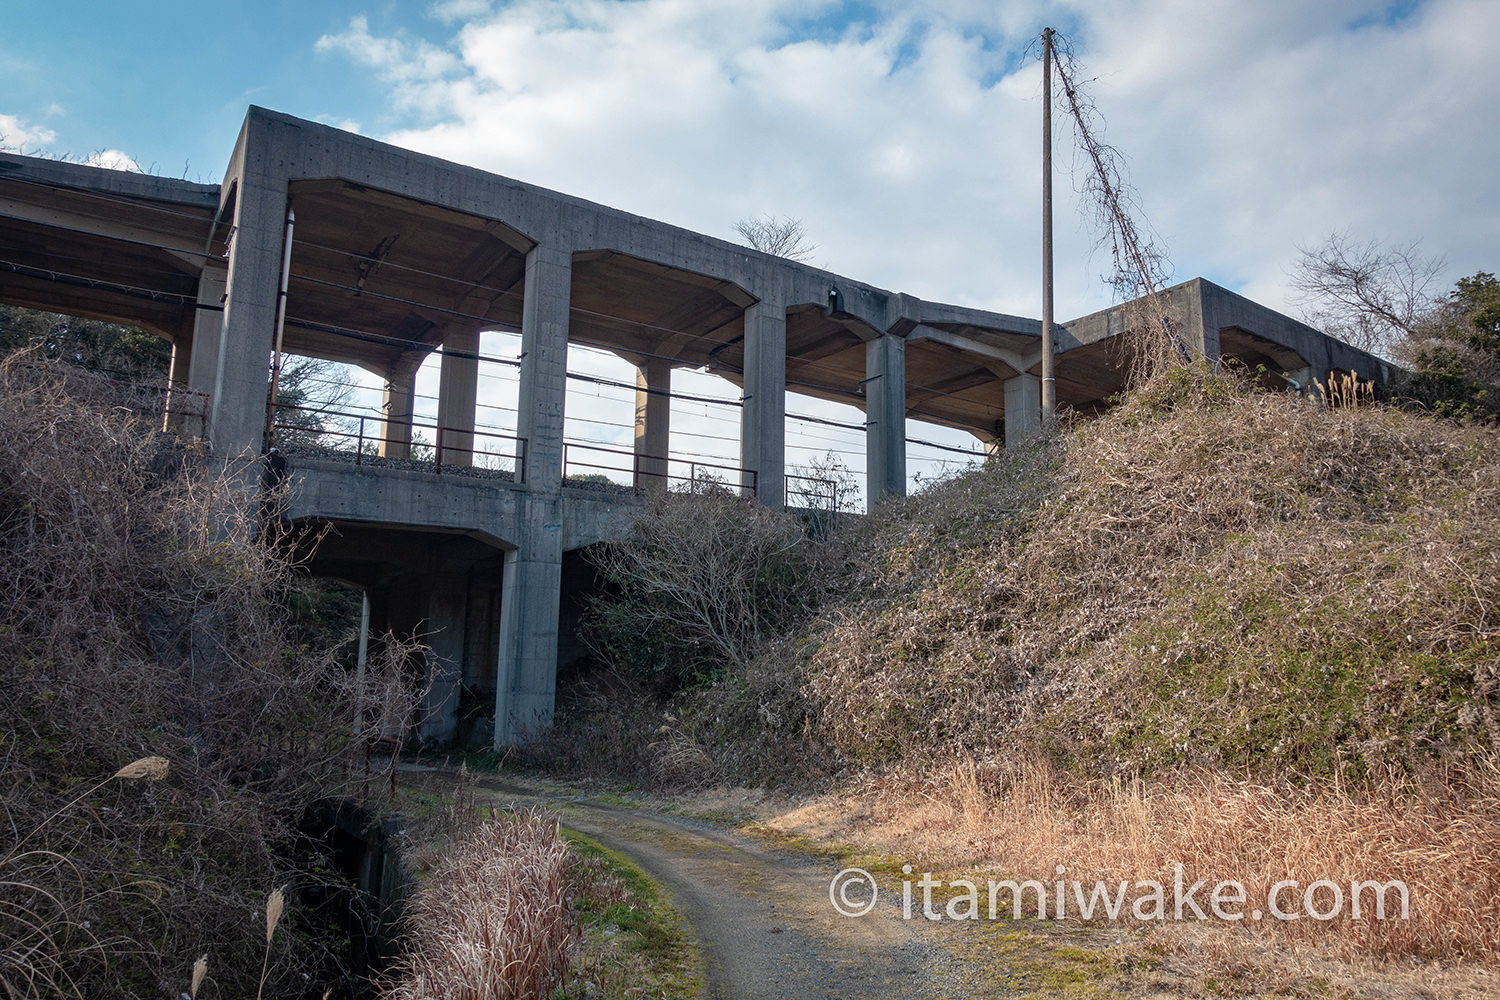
column 526, row 676
column 653, row 421
column 885, row 418
column 180, row 374
column 447, row 606
column 458, row 394
column 239, row 398
column 1023, row 408
column 544, row 364
column 208, row 328
column 763, row 418
column 397, row 408
column 179, row 404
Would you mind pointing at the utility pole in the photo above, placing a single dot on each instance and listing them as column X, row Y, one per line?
column 286, row 277
column 1049, row 382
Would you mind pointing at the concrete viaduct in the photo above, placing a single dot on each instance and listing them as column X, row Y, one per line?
column 395, row 256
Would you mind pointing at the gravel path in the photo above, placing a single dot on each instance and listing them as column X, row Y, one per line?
column 761, row 917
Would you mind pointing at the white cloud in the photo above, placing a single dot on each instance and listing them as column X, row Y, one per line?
column 907, row 139
column 113, row 159
column 907, row 142
column 449, row 11
column 22, row 137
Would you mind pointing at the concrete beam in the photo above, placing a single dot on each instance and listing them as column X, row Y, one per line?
column 653, row 416
column 544, row 364
column 1016, row 360
column 458, row 395
column 885, row 418
column 763, row 417
column 189, row 248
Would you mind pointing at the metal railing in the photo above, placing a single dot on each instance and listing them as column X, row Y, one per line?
column 376, row 440
column 812, row 493
column 625, row 468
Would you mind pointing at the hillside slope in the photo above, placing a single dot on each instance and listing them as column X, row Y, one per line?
column 1205, row 575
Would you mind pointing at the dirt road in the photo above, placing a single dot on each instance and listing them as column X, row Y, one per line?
column 761, row 917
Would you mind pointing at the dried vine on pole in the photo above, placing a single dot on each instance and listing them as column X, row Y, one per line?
column 1141, row 269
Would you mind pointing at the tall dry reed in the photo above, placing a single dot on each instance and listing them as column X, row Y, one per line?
column 492, row 920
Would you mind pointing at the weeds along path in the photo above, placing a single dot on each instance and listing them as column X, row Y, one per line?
column 761, row 917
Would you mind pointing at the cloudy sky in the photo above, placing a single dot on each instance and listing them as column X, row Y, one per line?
column 904, row 135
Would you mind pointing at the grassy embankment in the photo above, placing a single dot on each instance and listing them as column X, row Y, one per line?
column 1213, row 627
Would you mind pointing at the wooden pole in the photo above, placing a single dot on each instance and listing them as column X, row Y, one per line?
column 1049, row 382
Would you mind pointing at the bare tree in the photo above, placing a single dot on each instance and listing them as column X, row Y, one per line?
column 777, row 235
column 1369, row 295
column 700, row 580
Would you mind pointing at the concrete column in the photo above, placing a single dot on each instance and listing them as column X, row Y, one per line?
column 397, row 407
column 763, row 418
column 544, row 364
column 1023, row 408
column 180, row 374
column 885, row 418
column 653, row 421
column 179, row 405
column 447, row 605
column 208, row 328
column 254, row 279
column 458, row 394
column 526, row 676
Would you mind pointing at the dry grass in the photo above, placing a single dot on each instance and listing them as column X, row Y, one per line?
column 492, row 920
column 141, row 621
column 1206, row 576
column 1439, row 836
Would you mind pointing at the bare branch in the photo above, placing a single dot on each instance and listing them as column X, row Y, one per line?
column 778, row 236
column 1368, row 295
